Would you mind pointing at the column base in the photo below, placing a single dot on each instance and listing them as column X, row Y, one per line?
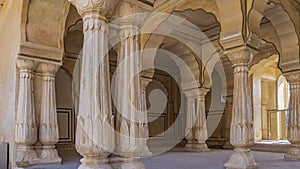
column 49, row 155
column 146, row 152
column 228, row 146
column 293, row 154
column 196, row 147
column 188, row 146
column 126, row 163
column 241, row 159
column 94, row 163
column 26, row 156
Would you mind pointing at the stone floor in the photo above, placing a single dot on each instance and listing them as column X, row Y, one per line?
column 179, row 160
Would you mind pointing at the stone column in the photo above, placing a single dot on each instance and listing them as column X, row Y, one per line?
column 228, row 122
column 26, row 129
column 129, row 100
column 144, row 129
column 294, row 116
column 241, row 132
column 48, row 130
column 129, row 94
column 196, row 127
column 190, row 121
column 95, row 126
column 200, row 128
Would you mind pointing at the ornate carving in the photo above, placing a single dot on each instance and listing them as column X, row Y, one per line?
column 293, row 77
column 102, row 7
column 48, row 136
column 242, row 55
column 25, row 64
column 48, row 68
column 95, row 128
column 26, row 129
column 196, row 128
column 130, row 116
column 128, row 8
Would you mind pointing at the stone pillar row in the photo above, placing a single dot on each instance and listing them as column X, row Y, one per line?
column 196, row 129
column 26, row 131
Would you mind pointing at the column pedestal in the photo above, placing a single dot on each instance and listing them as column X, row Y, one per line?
column 26, row 156
column 201, row 147
column 241, row 159
column 293, row 154
column 196, row 147
column 126, row 163
column 94, row 163
column 49, row 155
column 189, row 146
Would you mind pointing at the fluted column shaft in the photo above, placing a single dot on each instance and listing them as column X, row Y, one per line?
column 294, row 116
column 26, row 129
column 196, row 128
column 200, row 128
column 190, row 121
column 144, row 128
column 95, row 127
column 242, row 121
column 48, row 130
column 241, row 132
column 129, row 92
column 95, row 133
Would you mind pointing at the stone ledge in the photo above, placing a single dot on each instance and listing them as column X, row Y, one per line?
column 274, row 147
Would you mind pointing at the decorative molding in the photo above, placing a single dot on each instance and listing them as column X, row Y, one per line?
column 69, row 124
column 101, row 7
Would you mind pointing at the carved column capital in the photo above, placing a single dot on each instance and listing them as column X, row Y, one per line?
column 25, row 64
column 100, row 7
column 240, row 56
column 189, row 95
column 48, row 68
column 128, row 8
column 202, row 93
column 293, row 77
column 197, row 93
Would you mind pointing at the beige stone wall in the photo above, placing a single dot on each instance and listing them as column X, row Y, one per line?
column 10, row 16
